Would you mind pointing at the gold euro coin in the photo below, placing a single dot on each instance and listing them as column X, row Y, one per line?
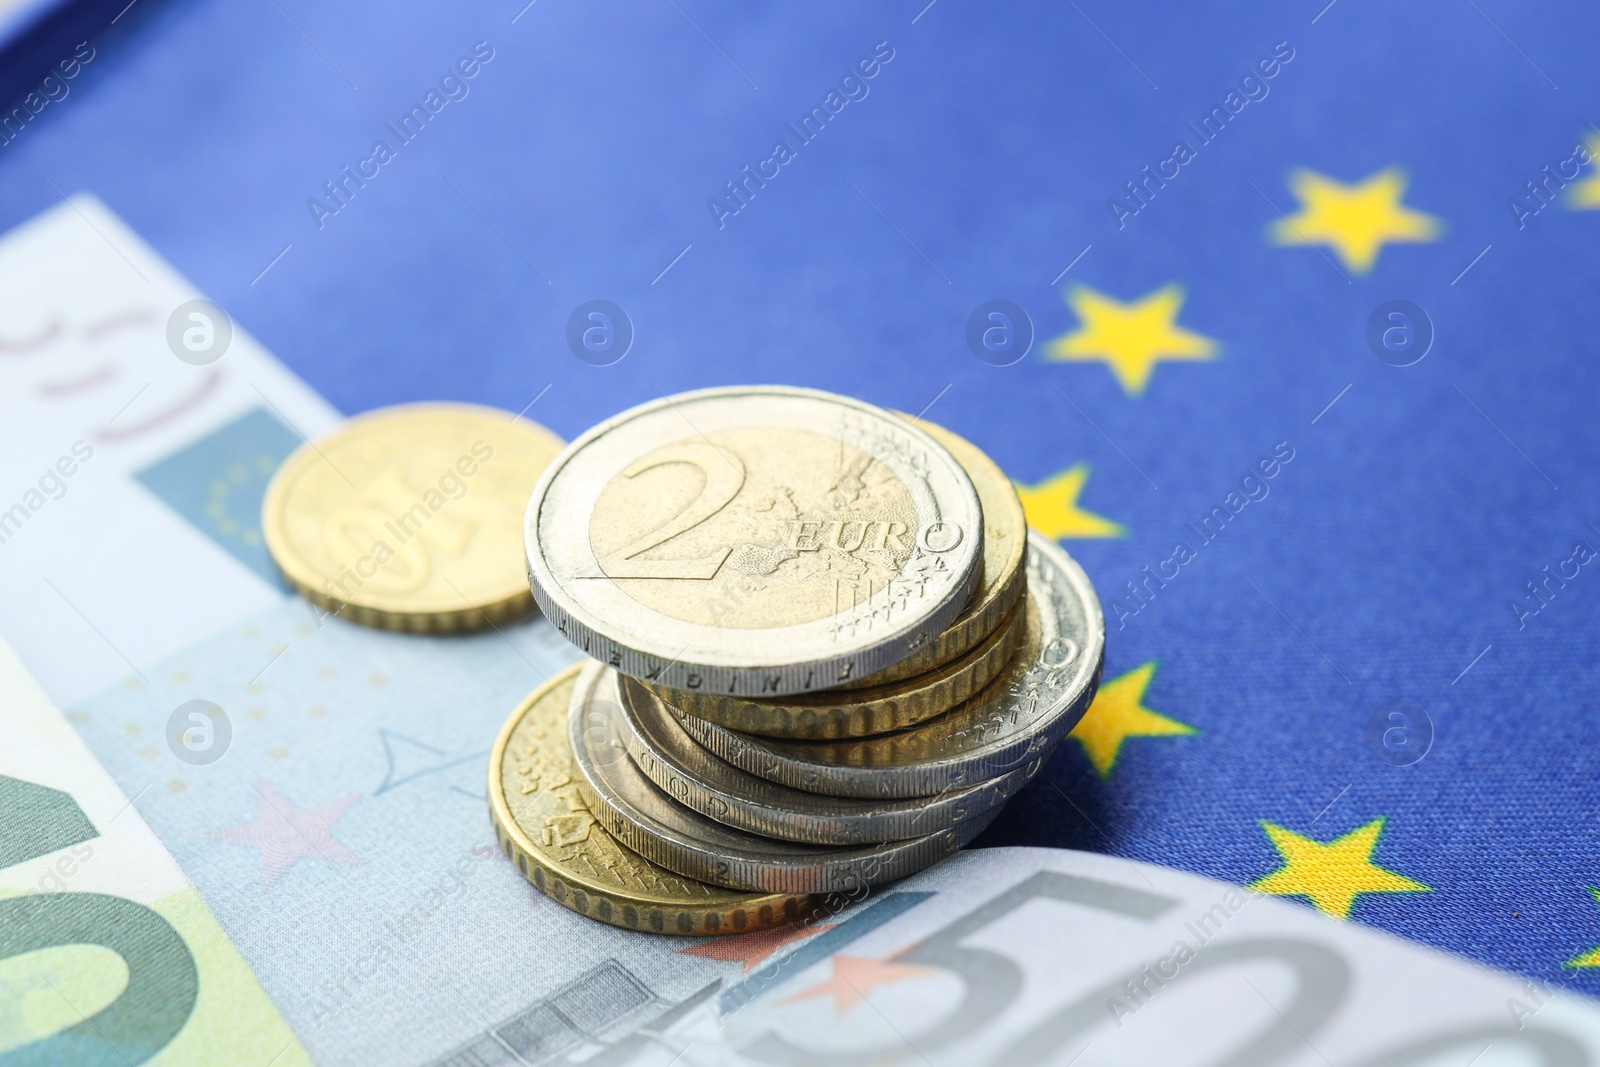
column 1005, row 547
column 845, row 713
column 548, row 832
column 410, row 517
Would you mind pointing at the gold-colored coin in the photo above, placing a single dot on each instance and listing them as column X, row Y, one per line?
column 842, row 713
column 410, row 517
column 1005, row 548
column 547, row 831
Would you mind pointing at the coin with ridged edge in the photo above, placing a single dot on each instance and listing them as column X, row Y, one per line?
column 837, row 713
column 409, row 517
column 757, row 541
column 689, row 774
column 657, row 827
column 1020, row 718
column 1005, row 547
column 548, row 832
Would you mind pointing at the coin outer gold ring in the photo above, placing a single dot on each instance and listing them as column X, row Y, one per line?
column 1005, row 551
column 840, row 714
column 741, row 912
column 376, row 612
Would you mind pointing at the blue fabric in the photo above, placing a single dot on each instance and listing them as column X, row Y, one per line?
column 40, row 50
column 981, row 163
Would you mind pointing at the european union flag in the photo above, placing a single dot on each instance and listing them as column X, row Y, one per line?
column 1280, row 315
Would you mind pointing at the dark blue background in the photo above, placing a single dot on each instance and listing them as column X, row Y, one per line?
column 993, row 140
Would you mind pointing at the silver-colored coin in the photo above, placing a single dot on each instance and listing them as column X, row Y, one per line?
column 757, row 541
column 689, row 774
column 1020, row 718
column 663, row 831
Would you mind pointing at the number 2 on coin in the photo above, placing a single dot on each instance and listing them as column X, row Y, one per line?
column 723, row 474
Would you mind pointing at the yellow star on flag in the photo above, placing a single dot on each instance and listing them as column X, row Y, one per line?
column 1052, row 507
column 1585, row 195
column 1118, row 713
column 1592, row 957
column 1356, row 221
column 1130, row 338
column 1332, row 874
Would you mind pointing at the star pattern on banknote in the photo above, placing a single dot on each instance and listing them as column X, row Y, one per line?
column 1052, row 507
column 1591, row 958
column 408, row 759
column 856, row 976
column 1332, row 874
column 1129, row 338
column 751, row 949
column 286, row 834
column 1118, row 713
column 1355, row 220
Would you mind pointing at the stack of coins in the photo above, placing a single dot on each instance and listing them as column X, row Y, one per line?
column 825, row 652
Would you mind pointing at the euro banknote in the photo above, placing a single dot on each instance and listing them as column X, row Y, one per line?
column 1017, row 957
column 107, row 953
column 128, row 473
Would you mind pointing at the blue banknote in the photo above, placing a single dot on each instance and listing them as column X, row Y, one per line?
column 323, row 786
